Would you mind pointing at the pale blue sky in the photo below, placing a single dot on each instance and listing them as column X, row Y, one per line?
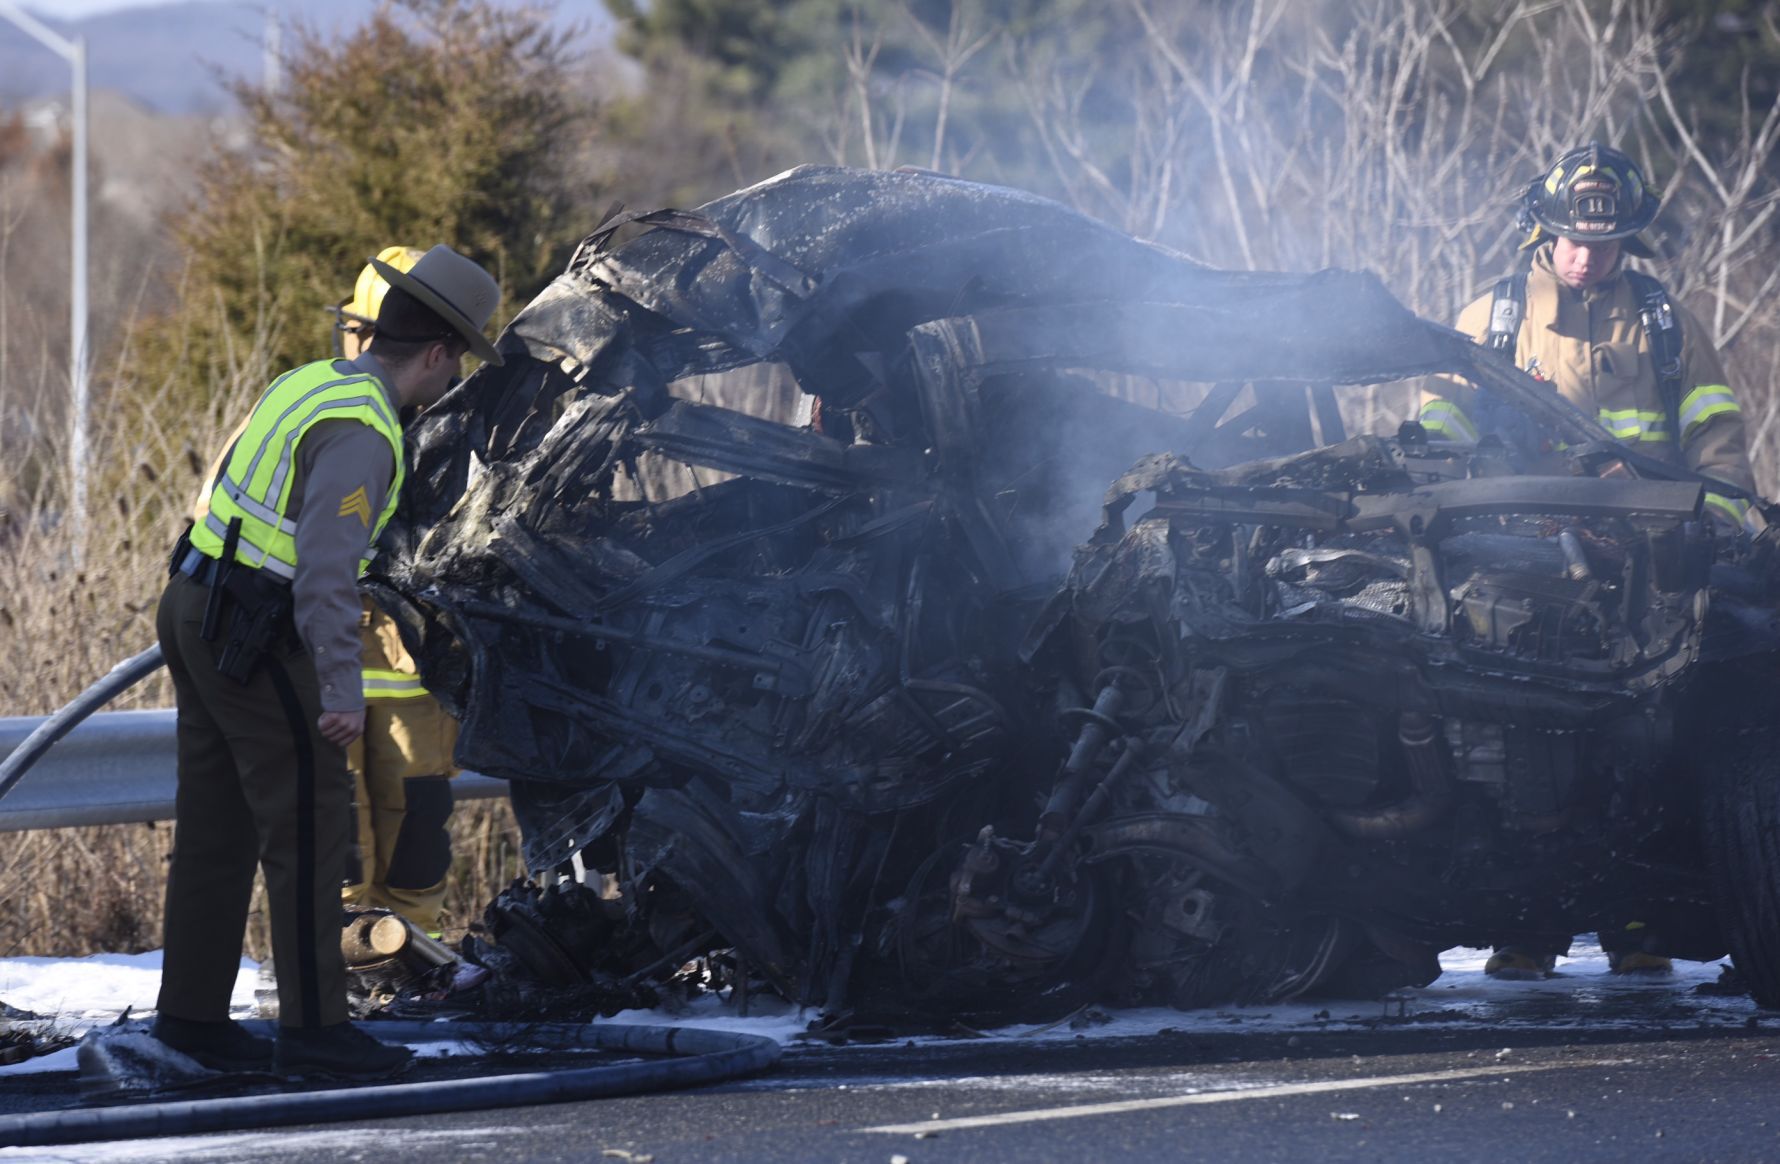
column 74, row 9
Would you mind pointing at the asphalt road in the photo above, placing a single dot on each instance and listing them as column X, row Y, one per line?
column 1652, row 1076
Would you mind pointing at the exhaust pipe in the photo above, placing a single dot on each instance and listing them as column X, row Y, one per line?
column 1431, row 789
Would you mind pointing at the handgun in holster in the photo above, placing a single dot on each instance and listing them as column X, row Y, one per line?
column 259, row 609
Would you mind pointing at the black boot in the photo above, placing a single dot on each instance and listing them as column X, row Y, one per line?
column 220, row 1046
column 342, row 1051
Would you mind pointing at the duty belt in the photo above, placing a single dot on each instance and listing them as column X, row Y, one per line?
column 258, row 605
column 201, row 567
column 197, row 565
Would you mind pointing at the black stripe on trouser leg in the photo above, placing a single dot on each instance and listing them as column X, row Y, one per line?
column 308, row 988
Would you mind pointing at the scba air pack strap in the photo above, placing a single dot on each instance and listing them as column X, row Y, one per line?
column 1506, row 312
column 1656, row 315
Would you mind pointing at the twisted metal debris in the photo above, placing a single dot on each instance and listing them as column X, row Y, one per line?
column 842, row 719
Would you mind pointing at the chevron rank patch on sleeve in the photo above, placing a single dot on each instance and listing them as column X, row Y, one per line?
column 356, row 504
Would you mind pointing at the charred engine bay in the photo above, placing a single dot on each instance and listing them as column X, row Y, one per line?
column 840, row 719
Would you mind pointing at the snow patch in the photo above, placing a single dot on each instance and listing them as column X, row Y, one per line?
column 100, row 987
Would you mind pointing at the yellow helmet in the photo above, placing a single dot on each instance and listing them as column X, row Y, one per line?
column 368, row 291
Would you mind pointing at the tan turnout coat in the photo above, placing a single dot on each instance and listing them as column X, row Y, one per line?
column 1593, row 349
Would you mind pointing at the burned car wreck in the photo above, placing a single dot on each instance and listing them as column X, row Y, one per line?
column 901, row 716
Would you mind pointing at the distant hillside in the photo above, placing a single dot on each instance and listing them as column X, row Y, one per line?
column 169, row 57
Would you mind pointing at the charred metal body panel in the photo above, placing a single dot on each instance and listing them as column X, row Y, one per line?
column 1316, row 714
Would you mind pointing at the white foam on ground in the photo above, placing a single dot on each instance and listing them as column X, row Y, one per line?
column 80, row 993
column 772, row 1017
column 1583, row 994
column 85, row 992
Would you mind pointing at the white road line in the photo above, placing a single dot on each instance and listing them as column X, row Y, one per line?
column 1270, row 1091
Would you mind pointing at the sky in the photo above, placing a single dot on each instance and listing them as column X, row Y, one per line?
column 75, row 9
column 171, row 56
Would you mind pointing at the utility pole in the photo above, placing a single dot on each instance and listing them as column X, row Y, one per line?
column 272, row 53
column 75, row 53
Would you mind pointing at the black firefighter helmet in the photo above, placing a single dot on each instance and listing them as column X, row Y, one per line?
column 1592, row 194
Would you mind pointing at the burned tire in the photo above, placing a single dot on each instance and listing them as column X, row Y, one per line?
column 968, row 969
column 1741, row 819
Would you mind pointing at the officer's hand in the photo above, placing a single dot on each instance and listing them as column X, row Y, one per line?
column 341, row 727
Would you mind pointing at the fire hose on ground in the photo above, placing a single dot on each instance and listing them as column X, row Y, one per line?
column 699, row 1057
column 694, row 1056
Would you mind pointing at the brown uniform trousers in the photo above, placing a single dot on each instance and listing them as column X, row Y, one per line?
column 257, row 786
column 402, row 857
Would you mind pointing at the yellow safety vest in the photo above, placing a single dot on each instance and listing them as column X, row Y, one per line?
column 257, row 475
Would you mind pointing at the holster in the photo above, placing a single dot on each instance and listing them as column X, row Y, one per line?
column 250, row 611
column 260, row 618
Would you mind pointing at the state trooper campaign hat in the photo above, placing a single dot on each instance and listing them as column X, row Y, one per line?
column 368, row 290
column 456, row 289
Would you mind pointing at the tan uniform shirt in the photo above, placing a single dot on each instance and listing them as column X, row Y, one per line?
column 334, row 458
column 1593, row 349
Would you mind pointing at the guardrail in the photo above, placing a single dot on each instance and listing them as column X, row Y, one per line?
column 118, row 767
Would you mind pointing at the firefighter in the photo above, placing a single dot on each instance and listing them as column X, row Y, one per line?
column 1612, row 342
column 401, row 766
column 259, row 623
column 1609, row 339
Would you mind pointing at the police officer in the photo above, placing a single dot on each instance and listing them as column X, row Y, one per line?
column 1612, row 342
column 401, row 766
column 259, row 624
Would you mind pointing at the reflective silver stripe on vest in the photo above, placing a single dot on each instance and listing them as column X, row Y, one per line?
column 277, row 567
column 283, row 469
column 237, row 493
column 222, row 468
column 375, row 400
column 260, row 452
